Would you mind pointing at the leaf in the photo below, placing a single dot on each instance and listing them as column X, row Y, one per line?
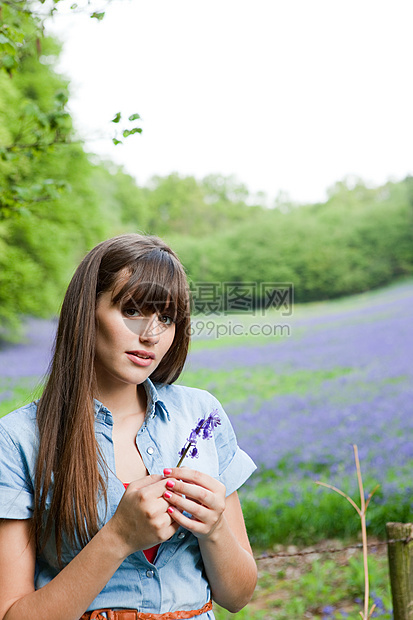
column 117, row 118
column 134, row 117
column 31, row 109
column 98, row 16
column 4, row 155
column 115, row 141
column 8, row 61
column 25, row 212
column 130, row 132
column 4, row 40
column 61, row 97
column 23, row 193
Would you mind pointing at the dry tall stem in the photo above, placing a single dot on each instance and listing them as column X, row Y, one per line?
column 361, row 511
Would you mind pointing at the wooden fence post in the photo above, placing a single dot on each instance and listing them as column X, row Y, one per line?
column 400, row 556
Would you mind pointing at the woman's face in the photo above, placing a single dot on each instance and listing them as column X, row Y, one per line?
column 129, row 345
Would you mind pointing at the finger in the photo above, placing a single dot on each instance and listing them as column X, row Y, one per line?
column 207, row 511
column 193, row 476
column 198, row 511
column 181, row 520
column 149, row 487
column 191, row 491
column 214, row 499
column 146, row 481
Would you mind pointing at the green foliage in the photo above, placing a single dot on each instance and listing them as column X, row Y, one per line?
column 117, row 118
column 179, row 206
column 277, row 513
column 358, row 240
column 175, row 205
column 22, row 24
column 19, row 34
column 38, row 250
column 34, row 121
column 49, row 211
column 315, row 586
column 33, row 115
column 123, row 204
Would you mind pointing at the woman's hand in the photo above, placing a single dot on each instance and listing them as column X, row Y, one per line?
column 142, row 519
column 197, row 494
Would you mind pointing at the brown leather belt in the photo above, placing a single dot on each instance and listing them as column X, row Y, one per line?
column 134, row 614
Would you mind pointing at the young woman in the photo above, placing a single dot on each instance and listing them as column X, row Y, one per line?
column 73, row 542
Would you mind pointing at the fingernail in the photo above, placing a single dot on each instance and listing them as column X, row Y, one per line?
column 170, row 510
column 170, row 484
column 167, row 495
column 167, row 472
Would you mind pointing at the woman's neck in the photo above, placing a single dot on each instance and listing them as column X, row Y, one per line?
column 124, row 401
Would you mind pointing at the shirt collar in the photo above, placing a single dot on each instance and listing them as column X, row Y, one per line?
column 155, row 404
column 154, row 399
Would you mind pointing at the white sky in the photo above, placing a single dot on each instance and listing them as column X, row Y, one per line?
column 287, row 95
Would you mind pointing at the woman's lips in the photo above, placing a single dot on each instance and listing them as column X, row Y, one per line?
column 140, row 358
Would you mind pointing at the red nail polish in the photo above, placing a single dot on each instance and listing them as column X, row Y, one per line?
column 170, row 484
column 167, row 472
column 167, row 495
column 170, row 510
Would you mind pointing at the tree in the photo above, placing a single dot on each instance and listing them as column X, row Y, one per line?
column 49, row 212
column 39, row 122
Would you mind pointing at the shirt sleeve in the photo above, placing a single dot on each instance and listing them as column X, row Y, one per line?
column 16, row 494
column 235, row 466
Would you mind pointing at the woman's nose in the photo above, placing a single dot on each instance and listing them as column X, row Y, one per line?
column 151, row 330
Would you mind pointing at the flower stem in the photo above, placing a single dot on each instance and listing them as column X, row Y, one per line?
column 185, row 452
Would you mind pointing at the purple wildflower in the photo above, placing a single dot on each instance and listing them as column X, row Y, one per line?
column 212, row 421
column 194, row 453
column 203, row 429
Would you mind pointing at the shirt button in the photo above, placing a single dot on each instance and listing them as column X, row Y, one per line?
column 181, row 535
column 149, row 450
column 149, row 574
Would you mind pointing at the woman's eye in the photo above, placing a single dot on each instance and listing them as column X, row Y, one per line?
column 166, row 320
column 131, row 313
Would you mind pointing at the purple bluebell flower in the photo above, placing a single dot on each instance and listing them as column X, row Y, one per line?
column 212, row 421
column 194, row 453
column 203, row 429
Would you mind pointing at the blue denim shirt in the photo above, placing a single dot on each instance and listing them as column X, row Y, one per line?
column 177, row 579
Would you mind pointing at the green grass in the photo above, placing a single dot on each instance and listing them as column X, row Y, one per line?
column 286, row 509
column 21, row 393
column 320, row 586
column 235, row 385
column 239, row 384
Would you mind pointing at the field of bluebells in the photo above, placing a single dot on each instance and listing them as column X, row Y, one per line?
column 298, row 402
column 344, row 376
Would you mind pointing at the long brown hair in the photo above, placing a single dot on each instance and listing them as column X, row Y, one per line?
column 70, row 466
